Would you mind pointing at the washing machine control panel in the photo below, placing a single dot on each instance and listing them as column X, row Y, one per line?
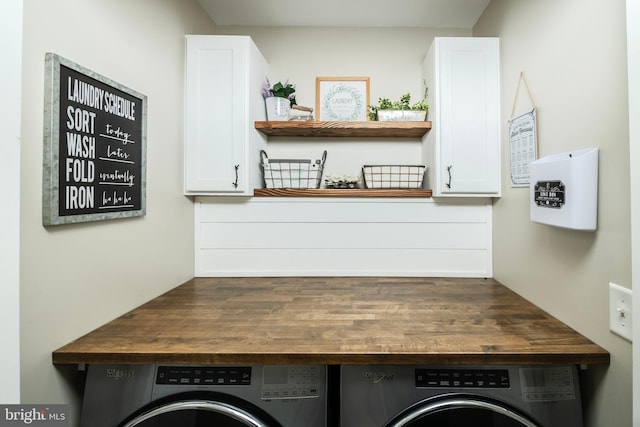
column 291, row 382
column 547, row 383
column 192, row 375
column 462, row 378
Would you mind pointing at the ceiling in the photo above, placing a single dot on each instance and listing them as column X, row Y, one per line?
column 349, row 13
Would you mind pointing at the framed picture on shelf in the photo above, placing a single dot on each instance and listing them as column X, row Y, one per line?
column 344, row 99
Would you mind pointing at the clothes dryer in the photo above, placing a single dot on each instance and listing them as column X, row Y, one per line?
column 198, row 396
column 460, row 396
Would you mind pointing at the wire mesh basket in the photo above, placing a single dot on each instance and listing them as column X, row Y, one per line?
column 393, row 176
column 292, row 173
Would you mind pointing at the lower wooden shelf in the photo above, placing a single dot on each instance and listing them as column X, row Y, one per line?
column 333, row 192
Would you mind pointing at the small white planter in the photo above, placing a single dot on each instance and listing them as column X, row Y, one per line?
column 277, row 108
column 402, row 115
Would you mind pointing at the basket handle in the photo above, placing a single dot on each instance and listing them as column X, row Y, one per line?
column 324, row 157
column 263, row 157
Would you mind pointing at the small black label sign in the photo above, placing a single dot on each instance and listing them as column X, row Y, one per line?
column 549, row 194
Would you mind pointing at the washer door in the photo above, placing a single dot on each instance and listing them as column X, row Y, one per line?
column 200, row 412
column 460, row 411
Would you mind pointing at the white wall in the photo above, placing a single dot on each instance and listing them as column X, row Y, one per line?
column 390, row 57
column 633, row 47
column 11, row 48
column 573, row 54
column 75, row 278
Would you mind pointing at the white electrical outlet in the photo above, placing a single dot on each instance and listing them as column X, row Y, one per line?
column 620, row 312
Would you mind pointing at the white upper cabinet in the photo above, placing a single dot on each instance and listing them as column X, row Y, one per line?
column 462, row 150
column 222, row 101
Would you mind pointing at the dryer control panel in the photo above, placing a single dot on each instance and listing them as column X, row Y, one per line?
column 192, row 375
column 462, row 378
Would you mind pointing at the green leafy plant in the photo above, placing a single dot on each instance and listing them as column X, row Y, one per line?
column 403, row 104
column 281, row 90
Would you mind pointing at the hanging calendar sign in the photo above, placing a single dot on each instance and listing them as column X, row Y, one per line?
column 523, row 139
column 523, row 147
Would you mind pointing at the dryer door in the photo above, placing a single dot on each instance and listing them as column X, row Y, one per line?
column 460, row 411
column 200, row 413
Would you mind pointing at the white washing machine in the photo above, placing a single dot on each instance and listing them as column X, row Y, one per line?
column 198, row 396
column 460, row 396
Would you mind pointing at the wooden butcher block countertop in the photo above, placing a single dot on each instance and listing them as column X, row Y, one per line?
column 318, row 320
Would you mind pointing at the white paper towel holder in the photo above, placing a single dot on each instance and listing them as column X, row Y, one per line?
column 564, row 190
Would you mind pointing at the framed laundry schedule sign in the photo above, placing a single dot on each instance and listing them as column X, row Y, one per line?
column 94, row 157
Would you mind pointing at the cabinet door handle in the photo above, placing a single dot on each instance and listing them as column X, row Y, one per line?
column 449, row 172
column 235, row 184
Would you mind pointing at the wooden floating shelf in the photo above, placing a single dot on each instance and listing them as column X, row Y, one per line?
column 333, row 192
column 370, row 129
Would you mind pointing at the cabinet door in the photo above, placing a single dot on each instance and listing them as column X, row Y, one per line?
column 215, row 134
column 467, row 114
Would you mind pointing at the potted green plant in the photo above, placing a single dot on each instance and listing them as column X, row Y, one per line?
column 401, row 110
column 278, row 99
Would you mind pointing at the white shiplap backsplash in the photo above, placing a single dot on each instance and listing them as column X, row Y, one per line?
column 342, row 237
